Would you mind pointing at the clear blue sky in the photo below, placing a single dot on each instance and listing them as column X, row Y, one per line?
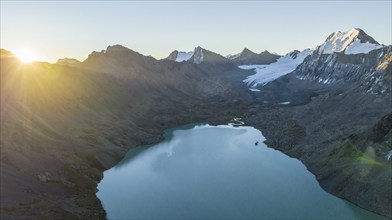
column 56, row 29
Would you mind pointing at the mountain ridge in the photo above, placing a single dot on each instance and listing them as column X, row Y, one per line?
column 247, row 57
column 118, row 99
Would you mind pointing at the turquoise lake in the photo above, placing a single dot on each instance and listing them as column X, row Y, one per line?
column 217, row 172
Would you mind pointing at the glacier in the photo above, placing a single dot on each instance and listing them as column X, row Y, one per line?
column 267, row 73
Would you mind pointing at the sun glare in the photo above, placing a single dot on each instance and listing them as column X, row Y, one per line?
column 26, row 56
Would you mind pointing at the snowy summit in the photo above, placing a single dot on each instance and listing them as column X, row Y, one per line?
column 353, row 41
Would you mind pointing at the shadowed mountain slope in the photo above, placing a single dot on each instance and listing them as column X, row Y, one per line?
column 62, row 126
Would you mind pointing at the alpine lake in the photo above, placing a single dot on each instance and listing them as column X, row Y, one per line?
column 217, row 172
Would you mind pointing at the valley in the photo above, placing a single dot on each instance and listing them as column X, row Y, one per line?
column 64, row 124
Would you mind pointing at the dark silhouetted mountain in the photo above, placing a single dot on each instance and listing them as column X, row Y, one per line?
column 248, row 57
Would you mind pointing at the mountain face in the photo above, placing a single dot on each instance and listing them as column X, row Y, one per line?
column 117, row 58
column 248, row 57
column 342, row 100
column 63, row 125
column 372, row 71
column 201, row 55
column 180, row 56
column 198, row 56
column 353, row 41
column 335, row 62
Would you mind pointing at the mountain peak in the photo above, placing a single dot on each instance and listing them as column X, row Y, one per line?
column 68, row 61
column 114, row 49
column 115, row 55
column 363, row 37
column 198, row 48
column 352, row 41
column 246, row 50
column 265, row 52
column 198, row 55
column 293, row 54
column 248, row 57
column 173, row 55
column 354, row 33
column 201, row 55
column 180, row 56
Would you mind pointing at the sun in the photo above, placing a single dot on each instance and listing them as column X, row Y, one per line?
column 26, row 55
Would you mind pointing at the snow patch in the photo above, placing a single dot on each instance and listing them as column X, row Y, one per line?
column 357, row 47
column 285, row 103
column 389, row 155
column 254, row 90
column 198, row 55
column 232, row 57
column 267, row 73
column 184, row 56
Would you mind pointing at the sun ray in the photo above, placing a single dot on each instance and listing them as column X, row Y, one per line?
column 26, row 55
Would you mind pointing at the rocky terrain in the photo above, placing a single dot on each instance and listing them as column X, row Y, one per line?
column 335, row 120
column 63, row 124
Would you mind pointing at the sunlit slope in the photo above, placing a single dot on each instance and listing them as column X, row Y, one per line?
column 61, row 125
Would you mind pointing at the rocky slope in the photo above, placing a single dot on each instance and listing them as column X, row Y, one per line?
column 370, row 70
column 62, row 126
column 201, row 55
column 338, row 104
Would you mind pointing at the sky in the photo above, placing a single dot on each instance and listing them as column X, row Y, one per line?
column 58, row 29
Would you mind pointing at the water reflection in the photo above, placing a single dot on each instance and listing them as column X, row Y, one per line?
column 210, row 172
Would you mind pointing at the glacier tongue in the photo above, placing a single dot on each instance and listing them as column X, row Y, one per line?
column 267, row 73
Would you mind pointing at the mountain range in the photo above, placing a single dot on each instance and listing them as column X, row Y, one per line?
column 244, row 58
column 63, row 124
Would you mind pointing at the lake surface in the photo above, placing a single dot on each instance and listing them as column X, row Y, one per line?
column 207, row 172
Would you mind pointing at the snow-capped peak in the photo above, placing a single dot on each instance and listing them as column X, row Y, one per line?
column 353, row 41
